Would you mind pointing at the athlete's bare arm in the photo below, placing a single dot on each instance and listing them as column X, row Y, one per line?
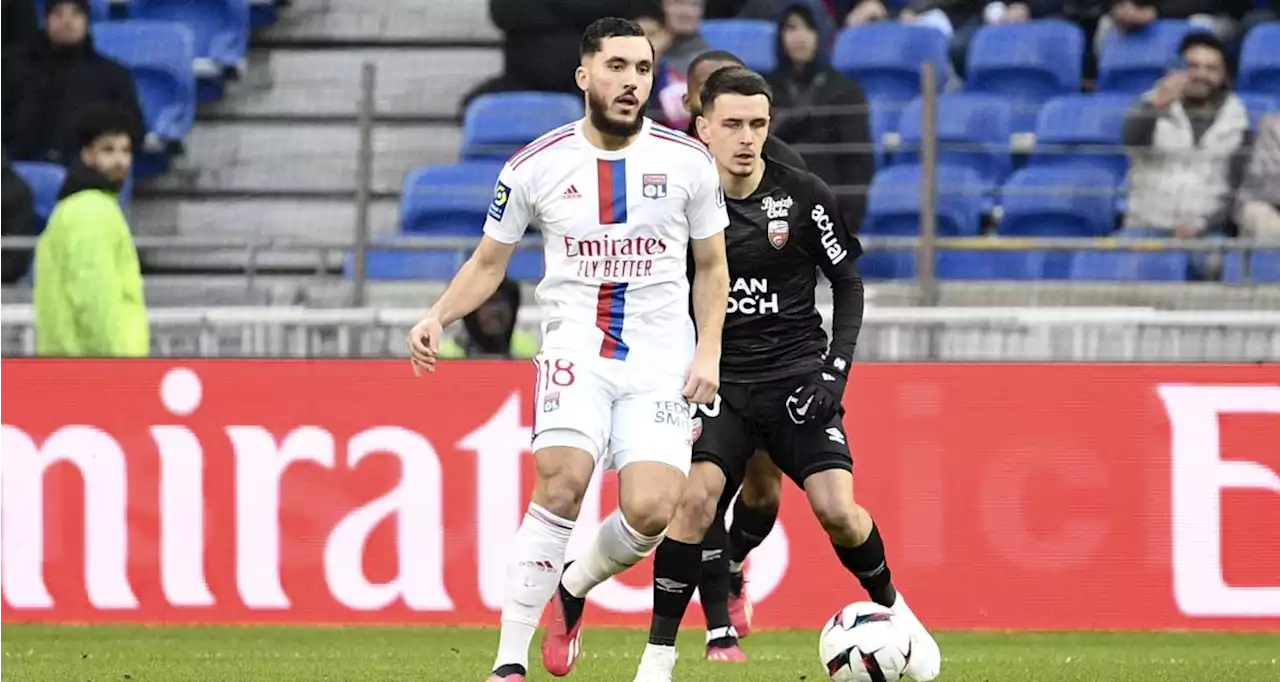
column 475, row 282
column 710, row 300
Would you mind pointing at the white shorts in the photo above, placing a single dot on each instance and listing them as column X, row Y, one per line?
column 618, row 412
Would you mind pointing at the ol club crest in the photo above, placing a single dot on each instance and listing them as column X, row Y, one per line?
column 654, row 185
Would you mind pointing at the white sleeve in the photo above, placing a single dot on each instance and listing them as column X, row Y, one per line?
column 706, row 213
column 511, row 210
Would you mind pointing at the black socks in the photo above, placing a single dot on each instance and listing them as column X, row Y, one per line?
column 714, row 585
column 868, row 564
column 677, row 567
column 750, row 528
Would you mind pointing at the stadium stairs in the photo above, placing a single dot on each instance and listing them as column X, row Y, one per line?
column 277, row 156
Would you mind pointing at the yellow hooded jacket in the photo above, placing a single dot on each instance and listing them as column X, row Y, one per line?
column 88, row 285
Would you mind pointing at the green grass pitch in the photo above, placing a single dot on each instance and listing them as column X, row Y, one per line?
column 428, row 654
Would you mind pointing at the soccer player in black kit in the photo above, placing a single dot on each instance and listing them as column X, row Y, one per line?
column 724, row 603
column 781, row 382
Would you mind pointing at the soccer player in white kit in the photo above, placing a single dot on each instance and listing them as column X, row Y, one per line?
column 621, row 203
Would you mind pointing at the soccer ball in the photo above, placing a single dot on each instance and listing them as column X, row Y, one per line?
column 864, row 643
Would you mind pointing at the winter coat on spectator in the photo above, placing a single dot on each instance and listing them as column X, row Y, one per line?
column 1183, row 171
column 797, row 90
column 44, row 89
column 542, row 39
column 1258, row 202
column 19, row 221
column 88, row 291
column 19, row 21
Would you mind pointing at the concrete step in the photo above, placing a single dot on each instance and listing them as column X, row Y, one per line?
column 262, row 218
column 385, row 20
column 421, row 82
column 313, row 157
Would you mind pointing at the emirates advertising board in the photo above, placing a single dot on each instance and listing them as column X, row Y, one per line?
column 262, row 491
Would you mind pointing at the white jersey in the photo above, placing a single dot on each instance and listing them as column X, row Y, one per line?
column 616, row 227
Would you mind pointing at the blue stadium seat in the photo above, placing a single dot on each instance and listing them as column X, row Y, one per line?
column 219, row 28
column 893, row 202
column 1264, row 266
column 99, row 10
column 1019, row 265
column 448, row 200
column 44, row 180
column 263, row 13
column 1029, row 63
column 1058, row 201
column 754, row 41
column 973, row 132
column 1260, row 60
column 1083, row 131
column 159, row 54
column 886, row 59
column 887, row 265
column 961, row 265
column 1260, row 104
column 385, row 264
column 490, row 131
column 1132, row 61
column 1129, row 266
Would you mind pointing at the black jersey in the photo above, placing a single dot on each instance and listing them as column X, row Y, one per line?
column 777, row 240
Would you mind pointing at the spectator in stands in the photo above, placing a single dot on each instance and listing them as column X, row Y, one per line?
column 19, row 221
column 19, row 22
column 665, row 104
column 1187, row 141
column 47, row 84
column 490, row 331
column 684, row 19
column 1222, row 17
column 814, row 105
column 88, row 291
column 1258, row 203
column 541, row 40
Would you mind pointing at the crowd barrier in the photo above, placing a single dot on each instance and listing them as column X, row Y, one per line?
column 1021, row 496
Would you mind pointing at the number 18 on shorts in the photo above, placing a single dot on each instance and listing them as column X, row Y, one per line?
column 618, row 412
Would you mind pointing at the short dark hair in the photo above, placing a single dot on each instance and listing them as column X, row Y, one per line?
column 97, row 120
column 734, row 80
column 1202, row 39
column 649, row 10
column 712, row 56
column 608, row 27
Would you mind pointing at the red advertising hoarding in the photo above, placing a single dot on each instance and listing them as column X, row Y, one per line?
column 1010, row 496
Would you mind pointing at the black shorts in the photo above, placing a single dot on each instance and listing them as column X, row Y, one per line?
column 747, row 417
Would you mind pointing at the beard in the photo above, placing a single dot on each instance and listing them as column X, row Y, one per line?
column 598, row 111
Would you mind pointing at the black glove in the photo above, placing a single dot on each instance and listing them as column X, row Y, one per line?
column 819, row 399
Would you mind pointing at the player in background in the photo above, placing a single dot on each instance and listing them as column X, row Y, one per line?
column 782, row 383
column 621, row 203
column 725, row 605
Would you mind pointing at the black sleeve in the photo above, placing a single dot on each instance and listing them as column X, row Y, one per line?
column 835, row 250
column 126, row 95
column 19, row 221
column 1139, row 127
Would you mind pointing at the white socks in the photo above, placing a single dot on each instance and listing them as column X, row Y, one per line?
column 617, row 547
column 532, row 578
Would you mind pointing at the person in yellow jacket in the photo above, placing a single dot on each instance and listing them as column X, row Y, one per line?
column 88, row 286
column 490, row 331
